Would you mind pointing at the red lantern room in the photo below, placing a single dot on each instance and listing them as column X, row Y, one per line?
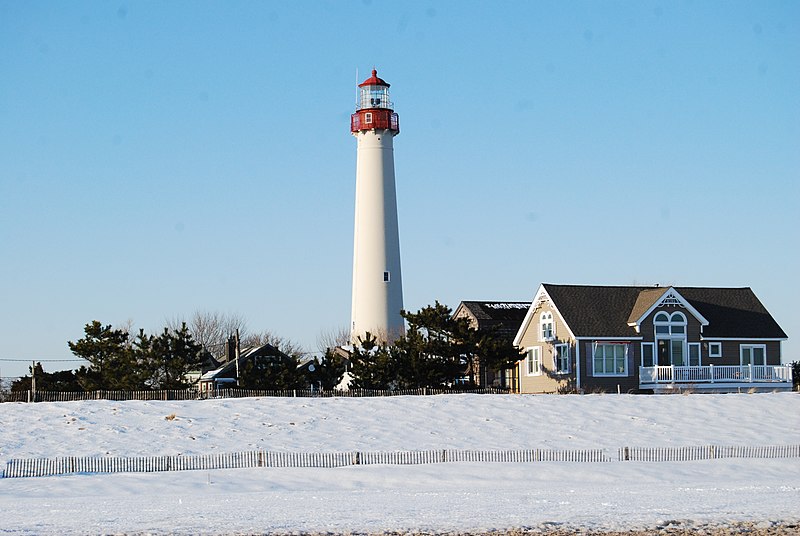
column 374, row 109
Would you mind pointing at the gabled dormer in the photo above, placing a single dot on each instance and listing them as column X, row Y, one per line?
column 668, row 298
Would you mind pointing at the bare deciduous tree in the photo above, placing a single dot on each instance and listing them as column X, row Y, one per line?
column 212, row 329
column 332, row 338
column 283, row 344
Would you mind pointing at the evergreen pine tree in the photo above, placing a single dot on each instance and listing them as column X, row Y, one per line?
column 112, row 363
column 328, row 371
column 169, row 357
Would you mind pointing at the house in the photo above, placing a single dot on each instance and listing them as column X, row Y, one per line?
column 649, row 339
column 228, row 373
column 207, row 363
column 503, row 317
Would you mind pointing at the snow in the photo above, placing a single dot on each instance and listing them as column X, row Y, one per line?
column 434, row 498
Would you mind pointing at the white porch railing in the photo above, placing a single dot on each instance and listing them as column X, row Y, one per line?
column 716, row 374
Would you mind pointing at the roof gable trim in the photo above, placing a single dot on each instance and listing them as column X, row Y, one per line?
column 670, row 298
column 541, row 298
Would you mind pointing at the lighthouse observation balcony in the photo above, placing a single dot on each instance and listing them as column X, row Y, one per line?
column 375, row 119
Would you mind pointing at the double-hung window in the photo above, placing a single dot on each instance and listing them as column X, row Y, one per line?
column 533, row 361
column 610, row 359
column 648, row 354
column 561, row 358
column 694, row 354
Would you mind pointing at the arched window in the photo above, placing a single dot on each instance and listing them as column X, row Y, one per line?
column 546, row 331
column 670, row 331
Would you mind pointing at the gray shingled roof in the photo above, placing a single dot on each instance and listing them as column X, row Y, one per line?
column 506, row 316
column 647, row 297
column 604, row 311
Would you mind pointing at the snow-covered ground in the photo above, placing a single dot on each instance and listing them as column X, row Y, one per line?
column 437, row 498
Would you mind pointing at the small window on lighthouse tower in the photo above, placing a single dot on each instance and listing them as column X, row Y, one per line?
column 368, row 117
column 386, row 277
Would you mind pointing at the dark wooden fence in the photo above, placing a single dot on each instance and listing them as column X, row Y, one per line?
column 194, row 394
column 33, row 467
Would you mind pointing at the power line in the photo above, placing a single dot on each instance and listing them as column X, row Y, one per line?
column 43, row 360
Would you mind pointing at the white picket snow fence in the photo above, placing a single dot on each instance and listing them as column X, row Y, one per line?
column 33, row 467
column 706, row 452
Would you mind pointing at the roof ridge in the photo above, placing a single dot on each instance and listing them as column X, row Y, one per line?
column 645, row 287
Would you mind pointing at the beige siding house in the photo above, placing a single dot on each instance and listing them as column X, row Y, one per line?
column 580, row 338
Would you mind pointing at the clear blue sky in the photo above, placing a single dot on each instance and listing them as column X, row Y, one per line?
column 158, row 158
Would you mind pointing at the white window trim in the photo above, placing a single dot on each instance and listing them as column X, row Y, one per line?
column 751, row 346
column 557, row 361
column 596, row 374
column 675, row 319
column 652, row 345
column 533, row 351
column 547, row 318
column 368, row 118
column 716, row 354
column 689, row 347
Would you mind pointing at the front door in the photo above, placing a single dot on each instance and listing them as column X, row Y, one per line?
column 663, row 353
column 670, row 352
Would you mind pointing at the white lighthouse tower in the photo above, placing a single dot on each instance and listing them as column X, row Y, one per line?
column 377, row 283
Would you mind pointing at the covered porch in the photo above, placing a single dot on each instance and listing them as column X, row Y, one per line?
column 716, row 378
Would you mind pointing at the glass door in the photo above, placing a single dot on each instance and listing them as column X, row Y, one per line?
column 671, row 352
column 754, row 355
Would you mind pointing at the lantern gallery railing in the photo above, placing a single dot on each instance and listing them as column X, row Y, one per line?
column 780, row 374
column 376, row 120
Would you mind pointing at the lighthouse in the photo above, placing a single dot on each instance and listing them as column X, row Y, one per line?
column 377, row 282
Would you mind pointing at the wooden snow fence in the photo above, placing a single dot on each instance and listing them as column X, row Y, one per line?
column 194, row 394
column 32, row 467
column 706, row 452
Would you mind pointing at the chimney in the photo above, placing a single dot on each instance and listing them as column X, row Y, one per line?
column 230, row 349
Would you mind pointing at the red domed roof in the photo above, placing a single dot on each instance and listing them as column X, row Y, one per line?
column 373, row 80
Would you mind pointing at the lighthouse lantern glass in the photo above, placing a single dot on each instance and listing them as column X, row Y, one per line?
column 374, row 97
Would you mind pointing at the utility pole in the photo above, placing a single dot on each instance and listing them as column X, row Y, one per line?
column 237, row 357
column 33, row 380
